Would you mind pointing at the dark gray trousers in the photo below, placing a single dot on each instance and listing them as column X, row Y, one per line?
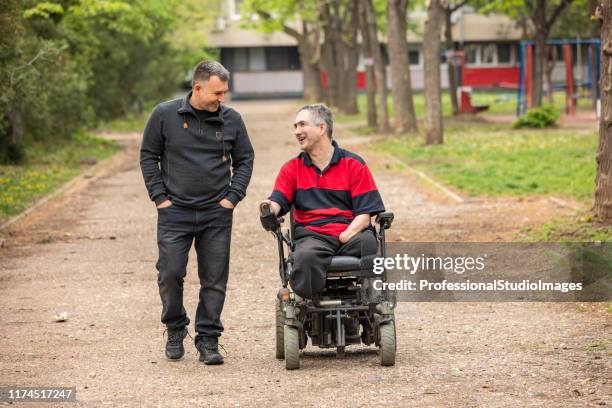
column 177, row 229
column 313, row 254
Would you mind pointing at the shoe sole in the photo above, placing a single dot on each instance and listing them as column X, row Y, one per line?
column 212, row 362
column 174, row 359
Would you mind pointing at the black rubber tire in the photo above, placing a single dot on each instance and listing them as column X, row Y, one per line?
column 387, row 344
column 280, row 329
column 292, row 348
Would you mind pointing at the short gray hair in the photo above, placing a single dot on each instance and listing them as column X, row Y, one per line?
column 205, row 69
column 320, row 114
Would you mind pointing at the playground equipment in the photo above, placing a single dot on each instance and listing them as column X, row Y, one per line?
column 465, row 101
column 456, row 61
column 526, row 58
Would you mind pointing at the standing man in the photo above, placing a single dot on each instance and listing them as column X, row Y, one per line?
column 196, row 160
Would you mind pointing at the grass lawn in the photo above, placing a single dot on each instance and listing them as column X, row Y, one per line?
column 578, row 229
column 48, row 166
column 493, row 160
column 485, row 160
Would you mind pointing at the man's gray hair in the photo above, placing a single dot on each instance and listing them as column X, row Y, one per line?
column 205, row 69
column 320, row 114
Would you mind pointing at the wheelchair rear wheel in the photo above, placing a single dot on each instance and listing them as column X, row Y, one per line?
column 280, row 328
column 387, row 343
column 292, row 348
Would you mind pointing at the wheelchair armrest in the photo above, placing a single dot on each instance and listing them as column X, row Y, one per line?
column 268, row 219
column 384, row 219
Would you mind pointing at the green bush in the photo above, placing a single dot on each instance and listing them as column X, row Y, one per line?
column 537, row 118
column 67, row 65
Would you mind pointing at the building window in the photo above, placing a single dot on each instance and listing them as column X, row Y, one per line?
column 487, row 54
column 414, row 56
column 241, row 59
column 282, row 59
column 471, row 54
column 490, row 55
column 560, row 52
column 257, row 59
column 504, row 54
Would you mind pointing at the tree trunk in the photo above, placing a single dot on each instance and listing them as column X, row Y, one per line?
column 331, row 65
column 351, row 60
column 371, row 96
column 538, row 67
column 539, row 21
column 401, row 86
column 340, row 22
column 15, row 118
column 330, row 54
column 349, row 74
column 13, row 148
column 452, row 78
column 543, row 24
column 594, row 33
column 369, row 67
column 603, row 179
column 313, row 87
column 379, row 64
column 551, row 60
column 308, row 46
column 431, row 50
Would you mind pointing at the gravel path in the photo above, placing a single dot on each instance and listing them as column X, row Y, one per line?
column 91, row 253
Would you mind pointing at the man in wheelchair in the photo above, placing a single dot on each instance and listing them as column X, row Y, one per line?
column 334, row 196
column 331, row 196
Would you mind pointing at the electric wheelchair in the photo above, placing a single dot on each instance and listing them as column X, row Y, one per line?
column 348, row 311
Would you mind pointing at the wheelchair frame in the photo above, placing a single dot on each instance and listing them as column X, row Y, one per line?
column 348, row 300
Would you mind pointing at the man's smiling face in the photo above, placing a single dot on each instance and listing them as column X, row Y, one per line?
column 210, row 94
column 307, row 133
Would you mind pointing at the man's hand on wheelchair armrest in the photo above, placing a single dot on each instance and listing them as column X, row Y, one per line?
column 274, row 206
column 268, row 212
column 385, row 219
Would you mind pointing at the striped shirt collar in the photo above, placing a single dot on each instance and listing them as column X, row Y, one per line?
column 334, row 160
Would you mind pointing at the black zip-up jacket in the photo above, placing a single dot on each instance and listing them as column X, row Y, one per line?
column 188, row 161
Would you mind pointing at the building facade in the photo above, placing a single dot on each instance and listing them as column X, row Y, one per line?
column 268, row 65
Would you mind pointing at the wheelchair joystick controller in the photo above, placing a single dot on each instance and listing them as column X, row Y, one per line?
column 268, row 218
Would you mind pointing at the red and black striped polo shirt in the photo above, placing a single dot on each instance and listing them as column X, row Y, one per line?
column 327, row 201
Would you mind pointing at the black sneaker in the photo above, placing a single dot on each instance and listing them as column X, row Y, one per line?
column 174, row 344
column 209, row 353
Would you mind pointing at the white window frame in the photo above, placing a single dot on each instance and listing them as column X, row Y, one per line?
column 495, row 64
column 420, row 51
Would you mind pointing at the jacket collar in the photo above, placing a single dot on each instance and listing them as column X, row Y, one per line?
column 334, row 160
column 185, row 107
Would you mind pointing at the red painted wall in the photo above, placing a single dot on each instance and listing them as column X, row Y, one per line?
column 491, row 77
column 477, row 77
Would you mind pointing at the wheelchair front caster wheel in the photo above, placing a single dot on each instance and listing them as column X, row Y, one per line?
column 340, row 352
column 387, row 344
column 292, row 348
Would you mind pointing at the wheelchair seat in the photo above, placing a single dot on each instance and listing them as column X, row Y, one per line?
column 344, row 263
column 344, row 266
